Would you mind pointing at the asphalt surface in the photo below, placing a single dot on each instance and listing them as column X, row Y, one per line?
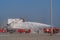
column 30, row 36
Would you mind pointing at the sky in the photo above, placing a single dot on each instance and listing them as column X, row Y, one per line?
column 30, row 10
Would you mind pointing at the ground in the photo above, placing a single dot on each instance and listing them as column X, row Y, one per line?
column 32, row 36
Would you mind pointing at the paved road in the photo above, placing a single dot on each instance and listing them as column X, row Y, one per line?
column 17, row 36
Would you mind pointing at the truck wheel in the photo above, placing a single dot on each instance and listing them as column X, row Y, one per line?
column 11, row 31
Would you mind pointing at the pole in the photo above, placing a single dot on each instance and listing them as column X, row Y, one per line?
column 51, row 17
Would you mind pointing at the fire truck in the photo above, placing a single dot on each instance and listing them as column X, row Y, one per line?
column 49, row 30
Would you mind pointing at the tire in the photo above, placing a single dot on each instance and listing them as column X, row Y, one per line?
column 11, row 31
